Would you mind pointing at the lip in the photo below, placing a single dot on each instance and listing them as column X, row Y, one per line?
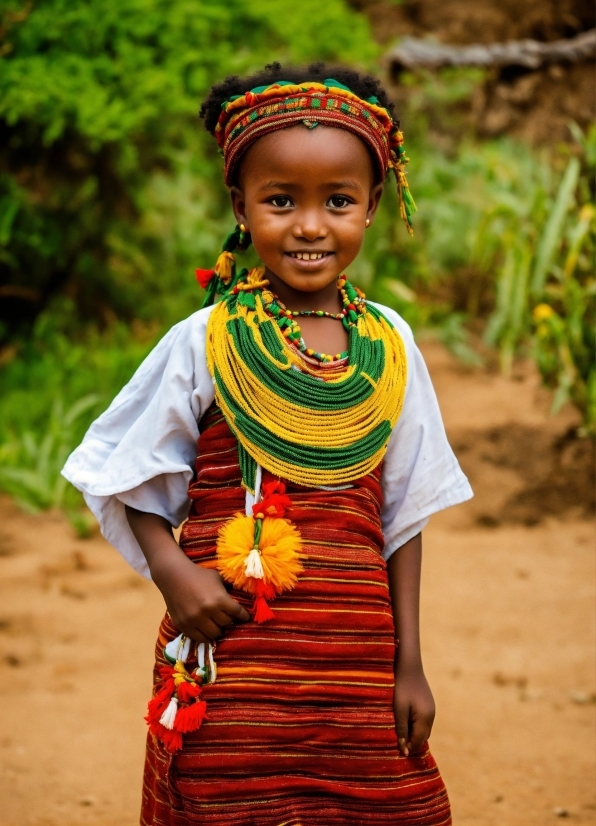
column 315, row 264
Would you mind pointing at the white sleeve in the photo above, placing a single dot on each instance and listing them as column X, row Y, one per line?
column 141, row 451
column 420, row 473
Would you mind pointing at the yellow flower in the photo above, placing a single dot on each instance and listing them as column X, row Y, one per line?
column 542, row 312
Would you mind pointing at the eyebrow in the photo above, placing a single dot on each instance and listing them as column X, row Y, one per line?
column 347, row 184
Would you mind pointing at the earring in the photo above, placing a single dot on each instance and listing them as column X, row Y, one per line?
column 242, row 228
column 367, row 223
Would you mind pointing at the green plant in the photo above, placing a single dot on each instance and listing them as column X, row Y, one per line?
column 99, row 131
column 30, row 464
column 546, row 292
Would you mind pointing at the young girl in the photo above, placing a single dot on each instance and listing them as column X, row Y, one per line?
column 299, row 423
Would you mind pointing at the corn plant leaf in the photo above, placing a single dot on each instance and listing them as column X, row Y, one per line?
column 554, row 227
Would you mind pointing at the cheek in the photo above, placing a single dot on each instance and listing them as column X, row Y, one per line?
column 349, row 232
column 268, row 231
column 267, row 228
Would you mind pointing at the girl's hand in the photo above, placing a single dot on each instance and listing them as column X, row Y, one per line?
column 414, row 711
column 196, row 598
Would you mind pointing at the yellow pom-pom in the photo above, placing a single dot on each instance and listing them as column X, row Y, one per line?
column 280, row 547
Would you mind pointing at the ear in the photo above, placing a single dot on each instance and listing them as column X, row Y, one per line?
column 374, row 199
column 239, row 205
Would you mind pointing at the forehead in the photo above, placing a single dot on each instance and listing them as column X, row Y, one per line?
column 298, row 152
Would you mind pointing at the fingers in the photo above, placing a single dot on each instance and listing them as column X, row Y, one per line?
column 195, row 635
column 234, row 609
column 221, row 618
column 210, row 623
column 402, row 717
column 419, row 734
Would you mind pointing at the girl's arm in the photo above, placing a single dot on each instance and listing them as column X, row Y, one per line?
column 413, row 701
column 196, row 598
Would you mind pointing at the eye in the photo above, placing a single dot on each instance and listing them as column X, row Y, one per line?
column 281, row 201
column 339, row 201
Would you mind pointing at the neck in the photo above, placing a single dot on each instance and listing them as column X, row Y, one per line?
column 326, row 299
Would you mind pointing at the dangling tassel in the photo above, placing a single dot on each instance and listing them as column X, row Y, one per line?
column 261, row 553
column 172, row 740
column 190, row 717
column 177, row 707
column 158, row 704
column 253, row 565
column 407, row 205
column 225, row 266
column 169, row 716
column 261, row 610
column 222, row 277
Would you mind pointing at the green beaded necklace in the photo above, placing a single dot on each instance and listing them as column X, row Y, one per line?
column 354, row 304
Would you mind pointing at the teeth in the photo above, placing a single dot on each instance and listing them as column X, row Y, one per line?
column 305, row 256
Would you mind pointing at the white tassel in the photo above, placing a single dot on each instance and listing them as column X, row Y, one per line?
column 169, row 715
column 251, row 498
column 178, row 649
column 212, row 666
column 253, row 565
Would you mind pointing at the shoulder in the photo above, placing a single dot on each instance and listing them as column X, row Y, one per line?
column 184, row 341
column 417, row 371
column 394, row 318
column 193, row 328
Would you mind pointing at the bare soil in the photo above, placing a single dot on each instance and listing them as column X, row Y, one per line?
column 508, row 627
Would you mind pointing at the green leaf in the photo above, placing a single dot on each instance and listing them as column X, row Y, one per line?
column 553, row 230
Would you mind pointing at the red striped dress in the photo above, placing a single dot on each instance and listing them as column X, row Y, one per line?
column 300, row 728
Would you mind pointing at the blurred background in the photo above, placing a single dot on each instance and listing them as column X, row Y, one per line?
column 111, row 195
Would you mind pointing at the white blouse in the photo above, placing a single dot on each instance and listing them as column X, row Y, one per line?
column 141, row 451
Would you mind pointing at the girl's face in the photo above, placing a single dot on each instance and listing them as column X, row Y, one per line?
column 305, row 195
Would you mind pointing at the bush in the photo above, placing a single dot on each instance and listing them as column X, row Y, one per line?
column 98, row 118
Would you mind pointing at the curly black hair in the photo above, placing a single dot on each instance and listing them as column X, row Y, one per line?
column 364, row 86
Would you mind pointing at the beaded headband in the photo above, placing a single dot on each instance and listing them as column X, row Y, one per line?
column 245, row 118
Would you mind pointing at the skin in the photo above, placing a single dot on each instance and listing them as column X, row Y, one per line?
column 309, row 191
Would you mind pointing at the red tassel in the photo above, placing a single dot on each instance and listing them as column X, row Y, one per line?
column 188, row 692
column 189, row 718
column 171, row 739
column 261, row 611
column 264, row 589
column 158, row 704
column 204, row 277
column 274, row 501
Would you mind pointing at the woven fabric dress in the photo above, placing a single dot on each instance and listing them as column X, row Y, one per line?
column 300, row 728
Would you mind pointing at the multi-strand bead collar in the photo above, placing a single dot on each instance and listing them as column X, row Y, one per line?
column 353, row 305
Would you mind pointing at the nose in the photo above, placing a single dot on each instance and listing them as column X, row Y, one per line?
column 310, row 225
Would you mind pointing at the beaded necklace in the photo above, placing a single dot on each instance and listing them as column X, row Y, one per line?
column 288, row 421
column 354, row 304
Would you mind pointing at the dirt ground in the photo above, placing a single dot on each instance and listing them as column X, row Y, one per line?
column 508, row 626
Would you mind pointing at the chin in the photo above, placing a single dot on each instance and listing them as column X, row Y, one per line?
column 307, row 283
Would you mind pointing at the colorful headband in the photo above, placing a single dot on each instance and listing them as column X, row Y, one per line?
column 247, row 117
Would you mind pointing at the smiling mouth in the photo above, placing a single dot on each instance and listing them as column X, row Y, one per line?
column 309, row 256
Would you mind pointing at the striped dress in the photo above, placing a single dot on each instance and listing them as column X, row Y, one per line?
column 300, row 728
